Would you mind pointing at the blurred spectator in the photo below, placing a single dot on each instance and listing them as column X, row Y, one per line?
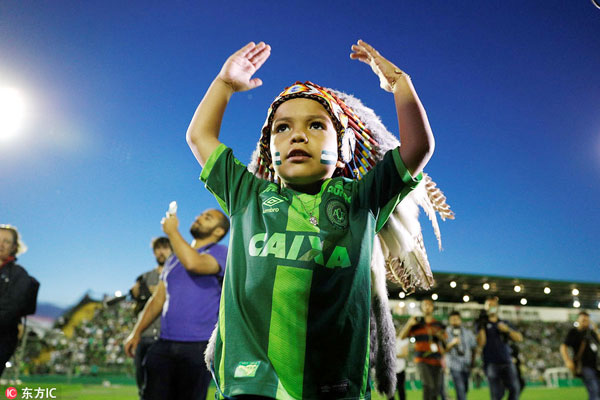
column 401, row 355
column 188, row 296
column 18, row 292
column 144, row 287
column 429, row 345
column 460, row 354
column 583, row 340
column 493, row 335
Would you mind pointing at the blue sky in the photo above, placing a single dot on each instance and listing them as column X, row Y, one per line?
column 511, row 88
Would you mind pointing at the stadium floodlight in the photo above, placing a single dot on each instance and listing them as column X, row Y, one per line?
column 466, row 298
column 599, row 304
column 118, row 293
column 523, row 301
column 401, row 304
column 576, row 304
column 434, row 296
column 402, row 295
column 517, row 288
column 547, row 290
column 453, row 284
column 486, row 286
column 575, row 292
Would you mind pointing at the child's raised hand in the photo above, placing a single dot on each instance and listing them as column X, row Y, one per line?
column 387, row 72
column 240, row 66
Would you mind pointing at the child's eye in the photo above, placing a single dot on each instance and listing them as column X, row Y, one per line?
column 281, row 128
column 317, row 125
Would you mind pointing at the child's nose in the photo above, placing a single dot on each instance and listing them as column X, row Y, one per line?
column 299, row 136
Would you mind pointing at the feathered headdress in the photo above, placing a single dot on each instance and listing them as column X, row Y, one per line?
column 363, row 140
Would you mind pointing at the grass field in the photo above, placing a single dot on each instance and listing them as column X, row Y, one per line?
column 128, row 392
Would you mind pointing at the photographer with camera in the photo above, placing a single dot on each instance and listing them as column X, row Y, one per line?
column 493, row 335
column 460, row 354
column 144, row 287
column 429, row 342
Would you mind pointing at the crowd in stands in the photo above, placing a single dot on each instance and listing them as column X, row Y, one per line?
column 539, row 349
column 96, row 346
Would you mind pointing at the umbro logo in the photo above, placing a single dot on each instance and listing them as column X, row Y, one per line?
column 271, row 201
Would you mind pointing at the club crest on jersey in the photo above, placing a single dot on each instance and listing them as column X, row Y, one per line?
column 337, row 213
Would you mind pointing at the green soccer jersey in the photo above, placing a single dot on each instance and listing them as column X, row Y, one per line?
column 295, row 307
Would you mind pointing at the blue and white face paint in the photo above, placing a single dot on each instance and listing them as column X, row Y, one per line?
column 277, row 158
column 328, row 157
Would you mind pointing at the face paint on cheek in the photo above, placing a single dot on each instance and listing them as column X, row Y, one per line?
column 328, row 157
column 277, row 158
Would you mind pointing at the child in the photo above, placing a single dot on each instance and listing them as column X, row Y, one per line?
column 294, row 313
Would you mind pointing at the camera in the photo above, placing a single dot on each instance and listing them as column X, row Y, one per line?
column 459, row 348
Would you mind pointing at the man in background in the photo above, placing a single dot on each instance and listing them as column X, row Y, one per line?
column 188, row 295
column 583, row 340
column 142, row 290
column 429, row 337
column 460, row 354
column 401, row 356
column 18, row 292
column 493, row 335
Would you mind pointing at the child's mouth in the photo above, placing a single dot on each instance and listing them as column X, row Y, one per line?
column 298, row 155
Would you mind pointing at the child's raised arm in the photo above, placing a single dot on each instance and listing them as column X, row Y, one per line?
column 235, row 76
column 416, row 138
